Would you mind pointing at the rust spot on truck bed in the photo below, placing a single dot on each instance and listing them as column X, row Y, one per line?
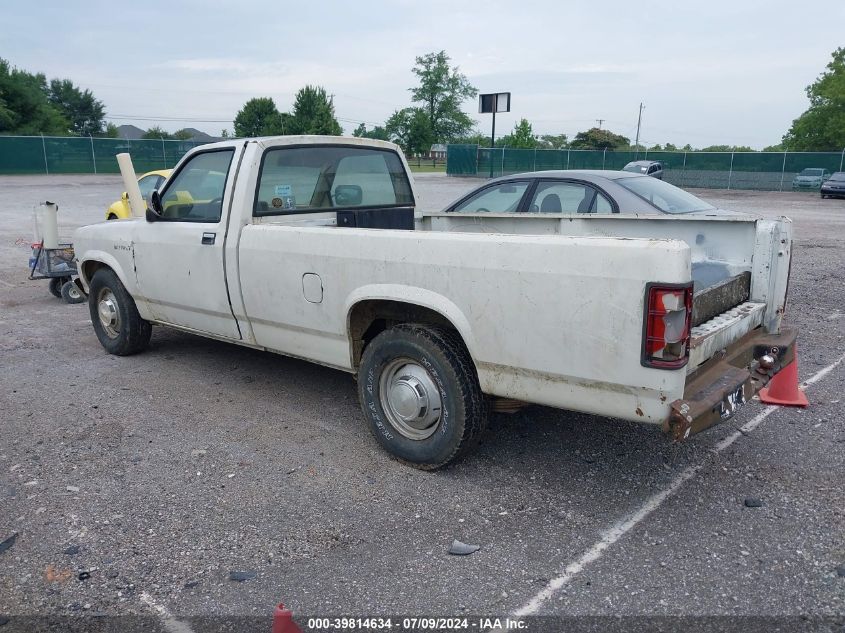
column 640, row 412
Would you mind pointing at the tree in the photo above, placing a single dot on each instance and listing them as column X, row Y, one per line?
column 473, row 138
column 259, row 117
column 6, row 115
column 822, row 127
column 24, row 108
column 441, row 91
column 84, row 112
column 224, row 133
column 111, row 130
column 313, row 113
column 553, row 141
column 596, row 138
column 156, row 132
column 410, row 128
column 378, row 132
column 726, row 148
column 522, row 137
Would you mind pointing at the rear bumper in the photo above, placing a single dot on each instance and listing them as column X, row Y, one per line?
column 717, row 389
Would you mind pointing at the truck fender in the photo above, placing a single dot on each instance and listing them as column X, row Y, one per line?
column 412, row 296
column 104, row 258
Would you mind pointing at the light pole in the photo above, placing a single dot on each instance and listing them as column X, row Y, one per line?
column 639, row 122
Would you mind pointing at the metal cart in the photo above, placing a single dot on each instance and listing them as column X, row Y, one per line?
column 57, row 265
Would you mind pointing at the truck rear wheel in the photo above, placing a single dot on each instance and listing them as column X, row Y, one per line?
column 115, row 318
column 420, row 394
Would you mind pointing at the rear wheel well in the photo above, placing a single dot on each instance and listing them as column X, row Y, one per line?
column 368, row 319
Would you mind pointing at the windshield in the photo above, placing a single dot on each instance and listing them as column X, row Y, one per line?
column 812, row 172
column 663, row 196
column 840, row 175
column 637, row 169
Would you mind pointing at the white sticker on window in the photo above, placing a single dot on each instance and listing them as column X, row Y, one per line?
column 282, row 190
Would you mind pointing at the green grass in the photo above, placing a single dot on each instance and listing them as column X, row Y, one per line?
column 427, row 168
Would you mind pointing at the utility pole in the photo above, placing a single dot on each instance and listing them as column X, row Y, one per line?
column 639, row 122
column 600, row 121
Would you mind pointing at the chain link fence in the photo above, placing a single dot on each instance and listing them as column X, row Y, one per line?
column 86, row 155
column 764, row 171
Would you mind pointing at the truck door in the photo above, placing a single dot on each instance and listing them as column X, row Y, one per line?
column 179, row 258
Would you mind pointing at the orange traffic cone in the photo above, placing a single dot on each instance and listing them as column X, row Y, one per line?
column 783, row 387
column 283, row 621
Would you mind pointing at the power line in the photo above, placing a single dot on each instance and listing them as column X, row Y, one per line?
column 172, row 119
column 233, row 92
column 163, row 119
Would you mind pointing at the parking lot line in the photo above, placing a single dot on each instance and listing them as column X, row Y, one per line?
column 624, row 526
column 168, row 621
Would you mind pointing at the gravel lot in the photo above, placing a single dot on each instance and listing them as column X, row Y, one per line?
column 163, row 473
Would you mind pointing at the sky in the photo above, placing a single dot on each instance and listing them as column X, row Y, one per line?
column 716, row 72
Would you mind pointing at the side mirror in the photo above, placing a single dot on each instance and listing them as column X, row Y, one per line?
column 154, row 211
column 124, row 196
column 348, row 196
column 155, row 202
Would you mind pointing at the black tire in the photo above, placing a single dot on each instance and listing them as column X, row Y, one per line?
column 463, row 408
column 71, row 293
column 111, row 216
column 55, row 286
column 128, row 333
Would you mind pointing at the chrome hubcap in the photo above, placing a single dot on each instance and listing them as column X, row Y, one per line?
column 410, row 399
column 108, row 313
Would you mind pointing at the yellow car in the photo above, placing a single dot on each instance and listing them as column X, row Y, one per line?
column 146, row 183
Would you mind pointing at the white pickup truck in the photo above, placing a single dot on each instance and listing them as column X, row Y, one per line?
column 313, row 247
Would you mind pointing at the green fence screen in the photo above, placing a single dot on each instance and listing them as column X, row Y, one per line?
column 765, row 171
column 85, row 155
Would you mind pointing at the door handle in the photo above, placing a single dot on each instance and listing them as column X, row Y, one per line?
column 208, row 238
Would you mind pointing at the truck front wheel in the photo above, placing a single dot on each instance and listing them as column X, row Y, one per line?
column 420, row 394
column 116, row 321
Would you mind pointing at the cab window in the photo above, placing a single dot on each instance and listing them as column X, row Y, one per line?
column 195, row 194
column 568, row 197
column 500, row 198
column 314, row 178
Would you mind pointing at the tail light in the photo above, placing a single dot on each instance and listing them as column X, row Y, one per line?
column 668, row 315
